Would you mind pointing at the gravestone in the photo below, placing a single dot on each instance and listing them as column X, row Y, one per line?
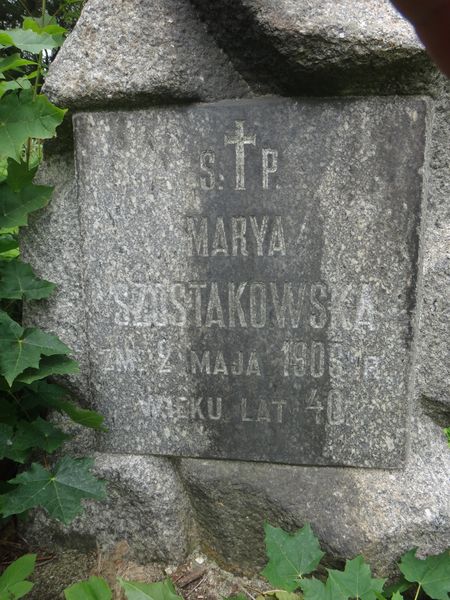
column 250, row 275
column 248, row 278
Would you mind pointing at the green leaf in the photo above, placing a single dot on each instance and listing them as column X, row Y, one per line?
column 55, row 396
column 23, row 117
column 95, row 588
column 40, row 434
column 21, row 83
column 432, row 573
column 13, row 578
column 163, row 590
column 19, row 174
column 50, row 365
column 9, row 447
column 23, row 348
column 28, row 40
column 15, row 206
column 354, row 582
column 13, row 62
column 290, row 556
column 18, row 282
column 16, row 442
column 313, row 589
column 8, row 242
column 59, row 491
column 397, row 596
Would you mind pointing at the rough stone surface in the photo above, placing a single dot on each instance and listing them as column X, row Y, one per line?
column 325, row 374
column 127, row 51
column 433, row 372
column 146, row 507
column 51, row 243
column 318, row 46
column 287, row 47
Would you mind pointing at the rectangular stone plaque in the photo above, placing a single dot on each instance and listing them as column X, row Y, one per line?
column 250, row 277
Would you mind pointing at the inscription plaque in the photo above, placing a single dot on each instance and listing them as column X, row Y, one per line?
column 250, row 276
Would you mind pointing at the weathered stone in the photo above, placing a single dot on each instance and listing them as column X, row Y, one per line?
column 146, row 507
column 273, row 322
column 289, row 48
column 127, row 51
column 318, row 46
column 433, row 373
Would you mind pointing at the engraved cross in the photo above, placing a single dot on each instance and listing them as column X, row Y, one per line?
column 240, row 140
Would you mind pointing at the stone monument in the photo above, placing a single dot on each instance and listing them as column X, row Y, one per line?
column 253, row 270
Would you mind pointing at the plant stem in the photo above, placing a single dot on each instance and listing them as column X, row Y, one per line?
column 417, row 593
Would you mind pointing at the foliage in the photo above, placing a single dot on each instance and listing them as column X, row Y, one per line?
column 28, row 355
column 291, row 557
column 13, row 582
column 432, row 574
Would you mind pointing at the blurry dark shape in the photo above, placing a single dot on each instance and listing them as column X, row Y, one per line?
column 431, row 19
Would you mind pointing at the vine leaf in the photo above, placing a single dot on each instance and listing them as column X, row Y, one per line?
column 40, row 434
column 23, row 117
column 313, row 589
column 28, row 40
column 355, row 581
column 41, row 393
column 22, row 348
column 16, row 442
column 19, row 174
column 12, row 580
column 162, row 590
column 18, row 281
column 95, row 588
column 290, row 556
column 50, row 365
column 15, row 206
column 432, row 573
column 59, row 491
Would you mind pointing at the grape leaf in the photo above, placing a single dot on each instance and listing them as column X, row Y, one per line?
column 354, row 582
column 95, row 588
column 12, row 581
column 23, row 117
column 22, row 348
column 290, row 556
column 28, row 40
column 59, row 491
column 18, row 281
column 50, row 365
column 14, row 61
column 19, row 174
column 432, row 573
column 41, row 393
column 162, row 590
column 15, row 206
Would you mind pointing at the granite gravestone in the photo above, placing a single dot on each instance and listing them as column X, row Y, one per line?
column 360, row 162
column 249, row 277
